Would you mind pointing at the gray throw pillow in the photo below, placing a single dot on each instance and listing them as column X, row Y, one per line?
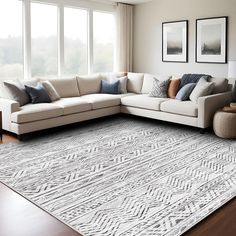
column 159, row 88
column 38, row 94
column 17, row 92
column 52, row 92
column 184, row 93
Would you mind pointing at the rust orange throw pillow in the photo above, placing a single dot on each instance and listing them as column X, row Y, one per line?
column 173, row 88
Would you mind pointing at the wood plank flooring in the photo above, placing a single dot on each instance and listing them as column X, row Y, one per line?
column 20, row 217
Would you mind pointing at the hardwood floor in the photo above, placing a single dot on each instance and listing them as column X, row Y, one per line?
column 20, row 217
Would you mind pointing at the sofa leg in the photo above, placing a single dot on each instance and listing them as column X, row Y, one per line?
column 202, row 131
column 20, row 137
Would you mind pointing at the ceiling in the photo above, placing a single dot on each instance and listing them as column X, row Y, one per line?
column 126, row 1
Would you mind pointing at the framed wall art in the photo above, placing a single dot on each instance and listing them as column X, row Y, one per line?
column 175, row 41
column 211, row 40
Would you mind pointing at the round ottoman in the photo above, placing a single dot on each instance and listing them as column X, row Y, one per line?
column 224, row 124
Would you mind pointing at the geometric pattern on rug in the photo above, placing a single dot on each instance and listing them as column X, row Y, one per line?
column 124, row 176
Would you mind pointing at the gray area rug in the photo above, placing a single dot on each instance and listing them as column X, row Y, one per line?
column 124, row 176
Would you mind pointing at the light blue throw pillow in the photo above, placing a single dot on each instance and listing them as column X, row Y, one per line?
column 110, row 88
column 184, row 93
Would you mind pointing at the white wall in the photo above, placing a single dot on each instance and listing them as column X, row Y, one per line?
column 148, row 20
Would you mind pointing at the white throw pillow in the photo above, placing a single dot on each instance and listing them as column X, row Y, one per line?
column 123, row 83
column 135, row 82
column 203, row 88
column 52, row 92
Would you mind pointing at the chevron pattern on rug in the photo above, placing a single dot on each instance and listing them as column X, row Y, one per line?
column 124, row 177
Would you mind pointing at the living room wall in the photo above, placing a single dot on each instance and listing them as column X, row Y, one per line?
column 148, row 18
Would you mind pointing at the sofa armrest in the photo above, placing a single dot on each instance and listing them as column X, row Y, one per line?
column 7, row 107
column 208, row 105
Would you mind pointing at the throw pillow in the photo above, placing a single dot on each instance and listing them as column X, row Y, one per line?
column 110, row 88
column 53, row 94
column 192, row 78
column 38, row 94
column 203, row 88
column 173, row 88
column 220, row 85
column 123, row 84
column 17, row 92
column 159, row 88
column 183, row 94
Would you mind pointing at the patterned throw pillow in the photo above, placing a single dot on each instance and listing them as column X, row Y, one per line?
column 159, row 88
column 173, row 88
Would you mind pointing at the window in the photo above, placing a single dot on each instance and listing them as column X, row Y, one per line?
column 103, row 45
column 11, row 49
column 44, row 39
column 76, row 41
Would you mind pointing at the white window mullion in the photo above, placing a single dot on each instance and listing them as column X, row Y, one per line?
column 90, row 42
column 27, row 38
column 61, row 61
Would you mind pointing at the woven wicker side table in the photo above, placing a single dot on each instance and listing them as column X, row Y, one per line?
column 224, row 124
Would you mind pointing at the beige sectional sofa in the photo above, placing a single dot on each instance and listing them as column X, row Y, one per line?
column 81, row 100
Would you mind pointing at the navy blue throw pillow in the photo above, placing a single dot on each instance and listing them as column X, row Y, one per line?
column 38, row 94
column 184, row 93
column 110, row 88
column 192, row 78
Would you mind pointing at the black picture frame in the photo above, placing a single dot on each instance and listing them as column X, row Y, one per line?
column 212, row 52
column 177, row 51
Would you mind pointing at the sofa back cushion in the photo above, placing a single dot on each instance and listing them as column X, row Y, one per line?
column 135, row 82
column 220, row 85
column 66, row 87
column 89, row 84
column 148, row 82
column 111, row 76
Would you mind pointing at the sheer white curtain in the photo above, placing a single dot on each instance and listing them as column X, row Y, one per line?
column 124, row 39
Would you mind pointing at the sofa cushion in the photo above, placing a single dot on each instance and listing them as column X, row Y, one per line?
column 73, row 105
column 35, row 112
column 143, row 101
column 111, row 76
column 186, row 108
column 66, row 87
column 148, row 82
column 220, row 85
column 89, row 84
column 102, row 100
column 135, row 82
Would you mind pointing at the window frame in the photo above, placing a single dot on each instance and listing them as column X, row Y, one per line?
column 90, row 7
